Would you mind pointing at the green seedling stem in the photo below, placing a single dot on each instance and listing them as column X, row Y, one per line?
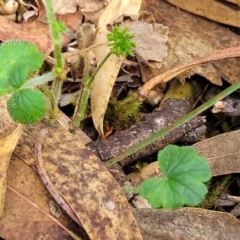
column 55, row 32
column 83, row 99
column 174, row 125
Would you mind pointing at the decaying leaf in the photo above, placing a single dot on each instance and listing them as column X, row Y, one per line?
column 84, row 182
column 91, row 6
column 104, row 80
column 187, row 224
column 217, row 11
column 26, row 213
column 191, row 37
column 150, row 38
column 9, row 135
column 64, row 6
column 35, row 32
column 7, row 144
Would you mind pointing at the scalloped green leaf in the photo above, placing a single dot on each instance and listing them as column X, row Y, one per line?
column 27, row 106
column 17, row 52
column 18, row 75
column 184, row 175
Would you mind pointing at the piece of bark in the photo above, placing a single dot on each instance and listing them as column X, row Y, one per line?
column 230, row 107
column 195, row 135
column 172, row 110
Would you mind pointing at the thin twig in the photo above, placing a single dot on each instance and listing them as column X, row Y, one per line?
column 168, row 75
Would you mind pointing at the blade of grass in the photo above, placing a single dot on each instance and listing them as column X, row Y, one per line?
column 173, row 126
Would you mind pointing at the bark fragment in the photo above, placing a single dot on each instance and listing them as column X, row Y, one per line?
column 171, row 110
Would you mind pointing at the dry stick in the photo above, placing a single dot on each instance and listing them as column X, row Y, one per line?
column 166, row 76
column 46, row 180
column 170, row 111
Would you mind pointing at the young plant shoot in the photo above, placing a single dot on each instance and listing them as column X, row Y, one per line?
column 183, row 183
column 119, row 41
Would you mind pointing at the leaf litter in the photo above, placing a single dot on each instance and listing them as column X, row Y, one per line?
column 179, row 46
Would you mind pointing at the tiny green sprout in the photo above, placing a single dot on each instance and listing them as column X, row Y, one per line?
column 120, row 42
column 183, row 183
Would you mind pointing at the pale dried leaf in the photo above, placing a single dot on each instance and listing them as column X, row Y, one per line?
column 191, row 37
column 7, row 144
column 104, row 80
column 187, row 224
column 63, row 6
column 35, row 32
column 91, row 5
column 217, row 11
column 150, row 39
column 26, row 214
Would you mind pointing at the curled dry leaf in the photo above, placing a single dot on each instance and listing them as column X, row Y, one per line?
column 104, row 80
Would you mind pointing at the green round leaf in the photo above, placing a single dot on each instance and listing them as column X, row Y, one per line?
column 17, row 52
column 184, row 173
column 27, row 106
column 17, row 75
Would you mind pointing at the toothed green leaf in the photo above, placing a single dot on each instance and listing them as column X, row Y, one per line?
column 16, row 52
column 27, row 106
column 184, row 175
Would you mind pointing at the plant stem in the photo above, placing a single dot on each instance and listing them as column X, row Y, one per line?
column 82, row 101
column 54, row 27
column 39, row 80
column 174, row 125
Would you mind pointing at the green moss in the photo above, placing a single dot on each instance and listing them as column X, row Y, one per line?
column 121, row 114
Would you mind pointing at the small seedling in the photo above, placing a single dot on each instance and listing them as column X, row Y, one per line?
column 19, row 59
column 120, row 43
column 183, row 184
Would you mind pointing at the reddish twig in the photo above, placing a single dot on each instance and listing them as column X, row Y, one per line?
column 168, row 75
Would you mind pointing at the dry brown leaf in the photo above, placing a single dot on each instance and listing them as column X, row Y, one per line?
column 105, row 78
column 27, row 214
column 168, row 75
column 7, row 144
column 92, row 5
column 191, row 37
column 218, row 11
column 64, row 6
column 186, row 224
column 222, row 152
column 9, row 135
column 150, row 39
column 84, row 182
column 35, row 32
